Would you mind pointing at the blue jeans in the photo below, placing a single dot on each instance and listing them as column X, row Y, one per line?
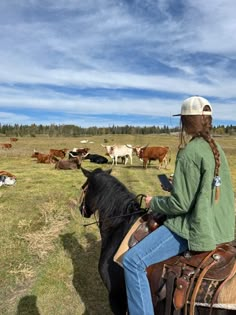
column 157, row 246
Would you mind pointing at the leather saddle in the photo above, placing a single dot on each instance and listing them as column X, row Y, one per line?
column 191, row 277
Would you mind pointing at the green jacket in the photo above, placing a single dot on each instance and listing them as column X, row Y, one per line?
column 191, row 209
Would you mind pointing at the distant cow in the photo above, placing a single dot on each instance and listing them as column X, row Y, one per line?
column 13, row 139
column 59, row 153
column 96, row 158
column 6, row 145
column 147, row 154
column 42, row 158
column 84, row 141
column 78, row 151
column 116, row 151
column 70, row 164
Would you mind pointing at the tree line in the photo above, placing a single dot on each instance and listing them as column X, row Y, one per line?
column 53, row 130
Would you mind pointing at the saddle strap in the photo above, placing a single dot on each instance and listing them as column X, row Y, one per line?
column 181, row 289
column 169, row 291
column 194, row 277
column 197, row 286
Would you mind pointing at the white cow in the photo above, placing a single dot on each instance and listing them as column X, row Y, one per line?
column 122, row 150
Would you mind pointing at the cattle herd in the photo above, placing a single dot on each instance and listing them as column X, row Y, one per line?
column 72, row 159
column 66, row 159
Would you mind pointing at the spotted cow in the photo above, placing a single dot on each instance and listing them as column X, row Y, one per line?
column 115, row 151
column 78, row 151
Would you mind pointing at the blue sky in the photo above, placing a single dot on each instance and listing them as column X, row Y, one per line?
column 105, row 62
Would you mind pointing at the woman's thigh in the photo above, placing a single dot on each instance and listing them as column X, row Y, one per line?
column 161, row 244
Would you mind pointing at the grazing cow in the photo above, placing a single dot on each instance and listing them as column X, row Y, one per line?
column 13, row 139
column 148, row 154
column 96, row 158
column 59, row 153
column 116, row 151
column 78, row 151
column 42, row 158
column 6, row 145
column 70, row 164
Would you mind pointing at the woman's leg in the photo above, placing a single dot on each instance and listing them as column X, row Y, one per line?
column 157, row 246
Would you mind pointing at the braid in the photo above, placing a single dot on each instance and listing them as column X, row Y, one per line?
column 207, row 137
column 216, row 154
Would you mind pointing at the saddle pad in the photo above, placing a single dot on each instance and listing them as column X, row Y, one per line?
column 227, row 295
column 124, row 244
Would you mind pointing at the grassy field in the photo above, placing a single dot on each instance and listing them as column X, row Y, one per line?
column 48, row 259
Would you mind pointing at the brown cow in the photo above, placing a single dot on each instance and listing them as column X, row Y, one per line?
column 148, row 154
column 59, row 153
column 6, row 145
column 42, row 158
column 70, row 164
column 13, row 139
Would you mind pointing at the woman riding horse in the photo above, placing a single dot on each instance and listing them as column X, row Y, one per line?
column 199, row 214
column 117, row 210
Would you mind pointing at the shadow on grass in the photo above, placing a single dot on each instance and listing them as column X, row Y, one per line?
column 86, row 279
column 28, row 305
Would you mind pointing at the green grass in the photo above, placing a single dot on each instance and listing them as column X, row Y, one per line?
column 48, row 259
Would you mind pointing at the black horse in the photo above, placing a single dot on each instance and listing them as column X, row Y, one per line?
column 118, row 209
column 112, row 199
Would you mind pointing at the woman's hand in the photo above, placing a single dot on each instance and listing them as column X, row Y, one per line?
column 148, row 200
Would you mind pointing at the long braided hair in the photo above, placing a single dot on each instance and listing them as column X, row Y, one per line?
column 200, row 126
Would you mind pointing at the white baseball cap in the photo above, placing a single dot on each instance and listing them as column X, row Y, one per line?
column 194, row 106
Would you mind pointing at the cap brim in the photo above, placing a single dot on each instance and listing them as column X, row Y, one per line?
column 177, row 115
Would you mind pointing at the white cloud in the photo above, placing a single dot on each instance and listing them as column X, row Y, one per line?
column 50, row 47
column 8, row 118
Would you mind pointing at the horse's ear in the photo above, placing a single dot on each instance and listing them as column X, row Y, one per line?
column 85, row 172
column 108, row 171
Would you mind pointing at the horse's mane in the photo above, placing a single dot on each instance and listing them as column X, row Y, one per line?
column 111, row 197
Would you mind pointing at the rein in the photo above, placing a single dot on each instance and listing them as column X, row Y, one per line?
column 143, row 210
column 118, row 216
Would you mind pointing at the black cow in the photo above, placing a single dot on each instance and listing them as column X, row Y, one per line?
column 96, row 158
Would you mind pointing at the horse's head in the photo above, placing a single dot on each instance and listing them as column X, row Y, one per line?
column 87, row 207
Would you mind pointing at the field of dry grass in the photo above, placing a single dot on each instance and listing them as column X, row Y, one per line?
column 48, row 259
